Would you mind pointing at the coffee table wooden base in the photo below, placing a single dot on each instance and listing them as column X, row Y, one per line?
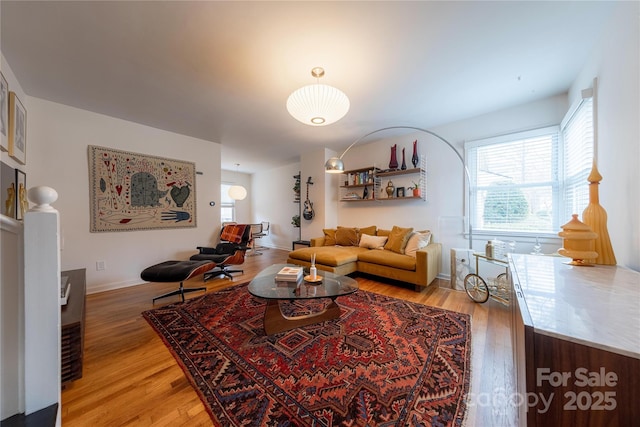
column 275, row 321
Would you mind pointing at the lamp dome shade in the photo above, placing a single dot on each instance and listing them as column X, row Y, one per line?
column 334, row 165
column 237, row 192
column 318, row 105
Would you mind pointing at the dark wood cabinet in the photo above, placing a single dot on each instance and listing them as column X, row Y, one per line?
column 576, row 343
column 72, row 327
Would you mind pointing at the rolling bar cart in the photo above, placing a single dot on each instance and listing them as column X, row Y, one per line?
column 478, row 289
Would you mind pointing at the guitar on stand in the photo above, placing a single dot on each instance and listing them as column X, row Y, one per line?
column 307, row 212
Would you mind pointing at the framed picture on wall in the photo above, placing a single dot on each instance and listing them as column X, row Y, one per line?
column 17, row 129
column 400, row 192
column 8, row 190
column 22, row 205
column 4, row 114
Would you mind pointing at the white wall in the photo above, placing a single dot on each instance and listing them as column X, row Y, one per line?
column 58, row 137
column 243, row 207
column 615, row 63
column 312, row 165
column 443, row 211
column 272, row 201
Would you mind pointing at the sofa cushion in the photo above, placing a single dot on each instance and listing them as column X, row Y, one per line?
column 372, row 242
column 371, row 231
column 346, row 236
column 388, row 258
column 417, row 240
column 329, row 255
column 329, row 236
column 398, row 239
column 382, row 232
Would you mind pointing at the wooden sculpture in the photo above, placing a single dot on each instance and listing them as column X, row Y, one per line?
column 595, row 217
column 577, row 242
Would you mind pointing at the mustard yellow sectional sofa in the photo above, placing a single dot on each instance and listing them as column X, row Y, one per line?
column 397, row 254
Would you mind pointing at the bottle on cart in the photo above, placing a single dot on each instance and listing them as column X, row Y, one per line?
column 488, row 249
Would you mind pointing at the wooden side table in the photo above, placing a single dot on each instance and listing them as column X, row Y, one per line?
column 306, row 243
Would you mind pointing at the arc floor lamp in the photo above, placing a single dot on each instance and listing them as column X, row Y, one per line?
column 336, row 165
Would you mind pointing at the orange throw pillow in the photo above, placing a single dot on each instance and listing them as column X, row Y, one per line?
column 346, row 236
column 398, row 239
column 329, row 236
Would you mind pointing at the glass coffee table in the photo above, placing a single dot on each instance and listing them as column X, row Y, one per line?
column 265, row 286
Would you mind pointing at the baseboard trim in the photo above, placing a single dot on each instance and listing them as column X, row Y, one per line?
column 113, row 286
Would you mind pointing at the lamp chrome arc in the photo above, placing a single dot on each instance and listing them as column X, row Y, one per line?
column 336, row 165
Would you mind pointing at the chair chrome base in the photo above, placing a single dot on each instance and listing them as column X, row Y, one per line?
column 180, row 291
column 176, row 271
column 220, row 272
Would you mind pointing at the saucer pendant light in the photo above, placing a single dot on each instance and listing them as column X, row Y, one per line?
column 318, row 104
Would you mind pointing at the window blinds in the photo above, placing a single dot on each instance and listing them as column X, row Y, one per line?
column 515, row 181
column 577, row 133
column 533, row 181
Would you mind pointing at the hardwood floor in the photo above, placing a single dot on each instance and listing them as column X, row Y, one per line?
column 131, row 379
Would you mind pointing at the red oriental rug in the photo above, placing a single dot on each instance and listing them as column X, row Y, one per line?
column 385, row 362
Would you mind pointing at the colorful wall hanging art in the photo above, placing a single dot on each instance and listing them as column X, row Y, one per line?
column 130, row 191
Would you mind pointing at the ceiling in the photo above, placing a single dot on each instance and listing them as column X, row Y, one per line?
column 222, row 71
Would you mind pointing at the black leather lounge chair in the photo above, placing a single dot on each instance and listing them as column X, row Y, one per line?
column 234, row 242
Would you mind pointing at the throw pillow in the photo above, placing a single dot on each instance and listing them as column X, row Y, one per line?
column 382, row 232
column 346, row 236
column 371, row 231
column 372, row 242
column 329, row 236
column 417, row 240
column 398, row 239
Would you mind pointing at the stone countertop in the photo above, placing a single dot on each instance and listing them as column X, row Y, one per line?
column 598, row 306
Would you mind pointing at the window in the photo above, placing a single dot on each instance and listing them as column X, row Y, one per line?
column 515, row 182
column 227, row 204
column 577, row 132
column 531, row 182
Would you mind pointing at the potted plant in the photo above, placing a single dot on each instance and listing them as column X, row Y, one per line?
column 415, row 188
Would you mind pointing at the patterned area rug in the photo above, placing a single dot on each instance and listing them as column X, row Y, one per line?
column 385, row 362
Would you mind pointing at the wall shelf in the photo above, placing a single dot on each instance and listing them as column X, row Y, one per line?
column 399, row 172
column 354, row 181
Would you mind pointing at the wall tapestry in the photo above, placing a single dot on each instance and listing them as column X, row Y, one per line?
column 130, row 191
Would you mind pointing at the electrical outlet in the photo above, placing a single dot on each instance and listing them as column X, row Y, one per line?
column 100, row 265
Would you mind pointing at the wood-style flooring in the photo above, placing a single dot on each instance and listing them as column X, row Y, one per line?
column 131, row 379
